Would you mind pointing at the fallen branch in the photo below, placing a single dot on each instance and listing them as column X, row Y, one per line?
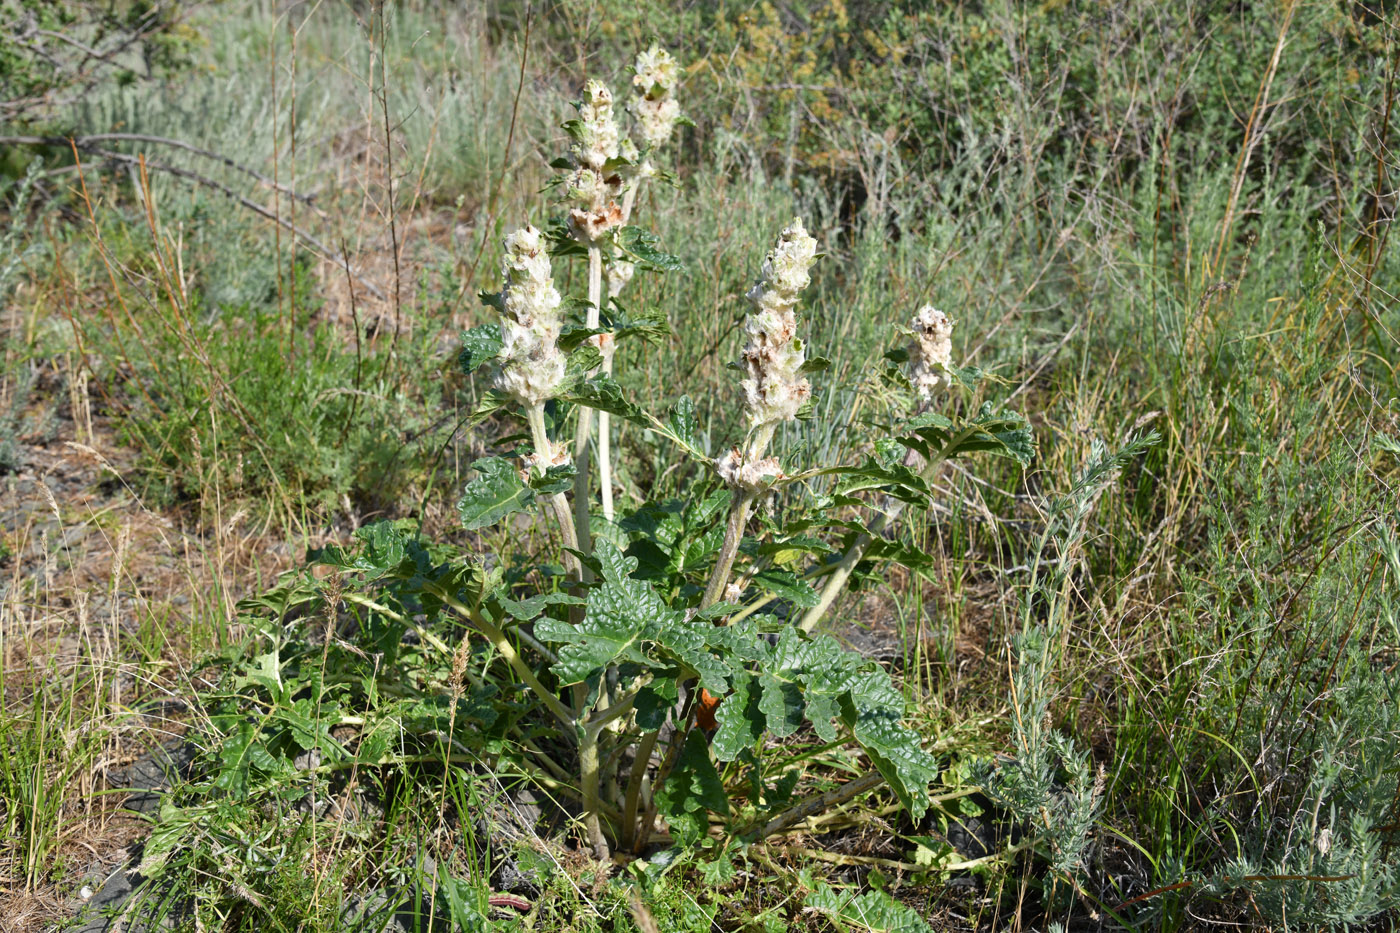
column 326, row 252
column 93, row 144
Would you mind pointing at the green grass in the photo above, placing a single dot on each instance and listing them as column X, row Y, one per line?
column 1076, row 189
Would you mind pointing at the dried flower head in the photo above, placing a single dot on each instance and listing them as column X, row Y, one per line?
column 655, row 108
column 774, row 386
column 532, row 366
column 747, row 474
column 931, row 351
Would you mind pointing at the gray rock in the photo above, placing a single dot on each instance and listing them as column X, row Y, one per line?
column 154, row 773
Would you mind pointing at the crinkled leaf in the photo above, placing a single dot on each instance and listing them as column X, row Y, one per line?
column 497, row 491
column 874, row 911
column 654, row 701
column 602, row 393
column 527, row 610
column 1004, row 434
column 641, row 246
column 692, row 788
column 739, row 722
column 788, row 586
column 480, row 346
column 627, row 621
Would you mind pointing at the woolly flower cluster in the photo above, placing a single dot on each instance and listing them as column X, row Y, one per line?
column 773, row 385
column 751, row 474
column 590, row 183
column 597, row 140
column 931, row 352
column 655, row 109
column 532, row 366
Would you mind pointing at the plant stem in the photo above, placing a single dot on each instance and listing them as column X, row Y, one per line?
column 517, row 663
column 733, row 534
column 837, row 581
column 588, row 772
column 556, row 503
column 605, row 451
column 629, row 197
column 640, row 763
column 583, row 443
column 738, row 518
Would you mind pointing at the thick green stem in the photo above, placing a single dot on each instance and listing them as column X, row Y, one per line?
column 640, row 764
column 738, row 518
column 517, row 663
column 588, row 771
column 837, row 581
column 733, row 534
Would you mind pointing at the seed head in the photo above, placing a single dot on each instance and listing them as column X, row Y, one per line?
column 931, row 351
column 656, row 110
column 532, row 366
column 774, row 387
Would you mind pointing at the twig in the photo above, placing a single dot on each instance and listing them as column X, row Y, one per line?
column 325, row 251
column 91, row 144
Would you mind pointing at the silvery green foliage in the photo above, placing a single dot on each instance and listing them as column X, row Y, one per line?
column 1048, row 784
column 11, row 256
column 1327, row 865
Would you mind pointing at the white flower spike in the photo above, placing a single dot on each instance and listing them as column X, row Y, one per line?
column 931, row 352
column 532, row 366
column 591, row 184
column 657, row 112
column 774, row 386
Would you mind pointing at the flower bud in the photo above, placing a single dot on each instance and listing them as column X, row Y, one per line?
column 749, row 475
column 597, row 138
column 620, row 272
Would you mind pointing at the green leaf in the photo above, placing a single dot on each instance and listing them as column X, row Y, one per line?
column 581, row 362
column 654, row 701
column 480, row 345
column 602, row 393
column 786, row 585
column 739, row 722
column 692, row 788
column 874, row 911
column 640, row 245
column 682, row 423
column 495, row 493
column 816, row 364
column 627, row 621
column 1004, row 434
